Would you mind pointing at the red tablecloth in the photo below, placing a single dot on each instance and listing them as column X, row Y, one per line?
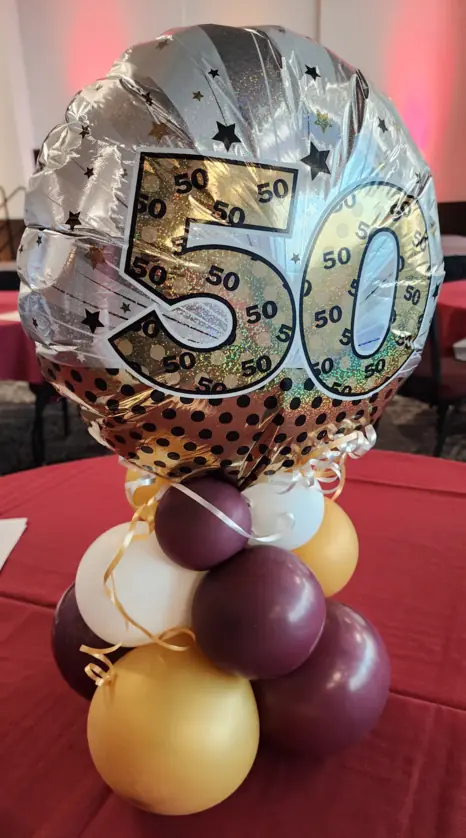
column 18, row 360
column 407, row 780
column 452, row 313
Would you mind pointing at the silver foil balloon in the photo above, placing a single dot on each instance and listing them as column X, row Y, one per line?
column 232, row 252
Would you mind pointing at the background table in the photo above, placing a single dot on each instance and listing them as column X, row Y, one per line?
column 407, row 780
column 452, row 314
column 18, row 360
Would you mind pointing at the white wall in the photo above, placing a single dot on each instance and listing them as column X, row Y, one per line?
column 68, row 45
column 413, row 50
column 16, row 136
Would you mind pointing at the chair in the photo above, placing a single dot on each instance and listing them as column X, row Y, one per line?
column 439, row 381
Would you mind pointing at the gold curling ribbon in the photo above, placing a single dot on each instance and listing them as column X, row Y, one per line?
column 93, row 670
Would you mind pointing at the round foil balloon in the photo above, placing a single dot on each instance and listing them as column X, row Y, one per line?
column 232, row 244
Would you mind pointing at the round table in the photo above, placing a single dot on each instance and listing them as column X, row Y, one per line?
column 452, row 314
column 408, row 778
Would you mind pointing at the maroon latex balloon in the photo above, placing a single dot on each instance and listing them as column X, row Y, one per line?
column 259, row 614
column 336, row 696
column 194, row 537
column 69, row 632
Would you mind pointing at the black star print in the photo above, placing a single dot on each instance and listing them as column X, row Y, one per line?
column 99, row 86
column 125, row 307
column 21, row 249
column 317, row 161
column 213, row 73
column 73, row 220
column 148, row 98
column 124, row 173
column 85, row 131
column 198, row 95
column 295, row 258
column 382, row 126
column 226, row 135
column 39, row 240
column 89, row 172
column 436, row 292
column 92, row 320
column 313, row 72
column 163, row 43
column 34, row 322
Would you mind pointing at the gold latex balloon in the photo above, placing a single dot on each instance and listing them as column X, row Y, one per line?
column 332, row 553
column 171, row 733
column 140, row 487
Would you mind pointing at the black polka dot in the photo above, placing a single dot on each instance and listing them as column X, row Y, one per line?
column 217, row 449
column 257, row 435
column 286, row 450
column 388, row 394
column 185, row 400
column 322, row 417
column 52, row 375
column 321, row 434
column 119, row 438
column 197, row 416
column 185, row 470
column 112, row 371
column 109, row 424
column 358, row 414
column 263, row 448
column 190, row 446
column 163, row 442
column 149, row 426
column 112, row 404
column 120, row 419
column 205, row 433
column 278, row 419
column 337, row 402
column 280, row 438
column 147, row 449
column 160, row 464
column 177, row 431
column 252, row 419
column 316, row 403
column 301, row 419
column 249, row 458
column 76, row 376
column 232, row 436
column 308, row 384
column 301, row 437
column 174, row 472
column 215, row 402
column 56, row 366
column 157, row 396
column 373, row 410
column 242, row 450
column 127, row 390
column 307, row 450
column 286, row 384
column 374, row 397
column 69, row 385
column 295, row 403
column 288, row 463
column 138, row 410
column 200, row 461
column 91, row 397
column 270, row 402
column 169, row 413
column 265, row 461
column 173, row 455
column 341, row 416
column 357, row 401
column 135, row 435
column 269, row 472
column 225, row 418
column 100, row 384
column 225, row 463
column 243, row 401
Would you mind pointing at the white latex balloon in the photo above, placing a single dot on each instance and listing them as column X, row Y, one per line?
column 271, row 509
column 153, row 590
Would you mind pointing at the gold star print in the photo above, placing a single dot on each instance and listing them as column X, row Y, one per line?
column 96, row 255
column 322, row 121
column 158, row 131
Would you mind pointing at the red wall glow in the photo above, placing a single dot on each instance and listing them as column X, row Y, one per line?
column 94, row 41
column 420, row 71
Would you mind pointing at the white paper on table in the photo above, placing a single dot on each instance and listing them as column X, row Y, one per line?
column 11, row 530
column 12, row 316
column 459, row 350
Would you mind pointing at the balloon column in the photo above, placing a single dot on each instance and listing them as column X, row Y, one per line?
column 231, row 261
